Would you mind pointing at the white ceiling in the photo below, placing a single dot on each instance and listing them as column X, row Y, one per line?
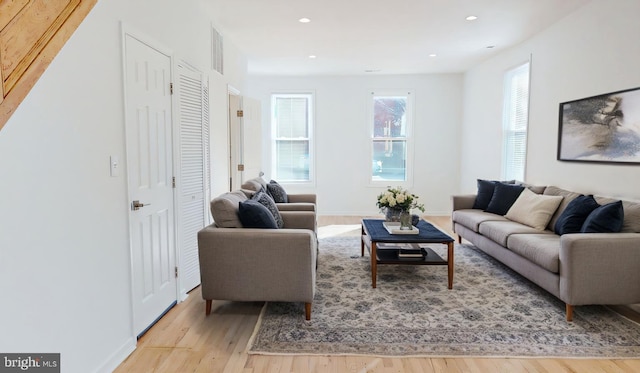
column 394, row 37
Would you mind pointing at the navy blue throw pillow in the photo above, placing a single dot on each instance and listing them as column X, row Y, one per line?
column 605, row 219
column 574, row 215
column 254, row 214
column 504, row 195
column 485, row 191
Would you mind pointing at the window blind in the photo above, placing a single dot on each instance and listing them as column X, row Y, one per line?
column 515, row 122
column 292, row 116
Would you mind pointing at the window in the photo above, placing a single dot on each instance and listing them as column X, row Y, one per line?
column 390, row 129
column 515, row 120
column 292, row 123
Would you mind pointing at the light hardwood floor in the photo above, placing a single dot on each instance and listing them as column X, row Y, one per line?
column 184, row 340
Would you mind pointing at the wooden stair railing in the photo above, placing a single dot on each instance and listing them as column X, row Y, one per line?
column 32, row 32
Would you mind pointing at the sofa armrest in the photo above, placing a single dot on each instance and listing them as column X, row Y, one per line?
column 250, row 264
column 600, row 268
column 299, row 219
column 296, row 206
column 308, row 198
column 463, row 201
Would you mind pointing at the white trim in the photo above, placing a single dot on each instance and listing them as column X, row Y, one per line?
column 231, row 90
column 118, row 356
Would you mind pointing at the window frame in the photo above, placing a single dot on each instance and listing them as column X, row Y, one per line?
column 510, row 118
column 310, row 96
column 408, row 138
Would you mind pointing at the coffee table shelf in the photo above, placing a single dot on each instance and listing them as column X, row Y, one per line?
column 389, row 255
column 374, row 234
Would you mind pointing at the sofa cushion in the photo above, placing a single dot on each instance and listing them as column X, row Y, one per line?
column 534, row 210
column 249, row 193
column 568, row 197
column 254, row 214
column 270, row 204
column 631, row 214
column 605, row 219
column 485, row 192
column 542, row 249
column 277, row 192
column 255, row 184
column 473, row 218
column 574, row 215
column 537, row 189
column 504, row 195
column 499, row 231
column 224, row 209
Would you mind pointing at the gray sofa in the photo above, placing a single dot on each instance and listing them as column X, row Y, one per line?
column 295, row 202
column 254, row 264
column 577, row 268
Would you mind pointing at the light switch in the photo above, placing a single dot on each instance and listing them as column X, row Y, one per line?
column 115, row 166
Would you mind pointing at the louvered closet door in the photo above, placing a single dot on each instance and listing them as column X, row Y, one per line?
column 193, row 183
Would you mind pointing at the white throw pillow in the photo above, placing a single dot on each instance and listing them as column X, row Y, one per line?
column 534, row 210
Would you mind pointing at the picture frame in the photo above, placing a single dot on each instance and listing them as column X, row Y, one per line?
column 603, row 128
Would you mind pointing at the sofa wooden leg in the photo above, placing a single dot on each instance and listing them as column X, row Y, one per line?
column 208, row 310
column 569, row 312
column 307, row 311
column 459, row 239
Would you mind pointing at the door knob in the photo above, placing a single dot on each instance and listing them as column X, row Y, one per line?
column 135, row 205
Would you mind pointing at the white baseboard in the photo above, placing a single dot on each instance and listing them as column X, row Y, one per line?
column 118, row 356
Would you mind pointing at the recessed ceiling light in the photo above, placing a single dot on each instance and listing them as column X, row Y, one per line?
column 312, row 56
column 433, row 55
column 372, row 70
column 490, row 46
column 471, row 18
column 304, row 20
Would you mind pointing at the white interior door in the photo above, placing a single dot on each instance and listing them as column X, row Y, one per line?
column 150, row 165
column 245, row 139
column 193, row 181
column 235, row 142
column 252, row 138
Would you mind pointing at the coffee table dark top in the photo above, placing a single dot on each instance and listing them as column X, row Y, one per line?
column 428, row 233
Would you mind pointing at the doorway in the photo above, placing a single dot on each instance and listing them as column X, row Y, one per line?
column 149, row 144
column 245, row 139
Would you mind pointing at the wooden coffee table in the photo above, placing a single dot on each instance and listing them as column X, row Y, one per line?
column 374, row 234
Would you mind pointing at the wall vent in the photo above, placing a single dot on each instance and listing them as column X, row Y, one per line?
column 217, row 56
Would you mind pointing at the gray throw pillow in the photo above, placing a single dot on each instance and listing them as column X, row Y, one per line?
column 270, row 204
column 276, row 191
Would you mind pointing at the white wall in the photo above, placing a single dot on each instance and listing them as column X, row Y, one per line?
column 342, row 149
column 64, row 243
column 590, row 52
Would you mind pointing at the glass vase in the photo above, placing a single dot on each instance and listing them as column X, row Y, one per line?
column 405, row 221
column 392, row 215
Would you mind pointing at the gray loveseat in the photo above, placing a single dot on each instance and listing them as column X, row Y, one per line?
column 255, row 264
column 577, row 268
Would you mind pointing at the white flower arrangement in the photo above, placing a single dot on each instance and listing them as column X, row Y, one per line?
column 398, row 198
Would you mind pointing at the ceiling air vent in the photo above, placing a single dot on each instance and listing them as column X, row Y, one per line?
column 216, row 51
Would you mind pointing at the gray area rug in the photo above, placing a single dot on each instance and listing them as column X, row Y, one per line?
column 491, row 311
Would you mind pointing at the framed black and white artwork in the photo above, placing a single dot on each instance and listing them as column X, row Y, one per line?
column 604, row 128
